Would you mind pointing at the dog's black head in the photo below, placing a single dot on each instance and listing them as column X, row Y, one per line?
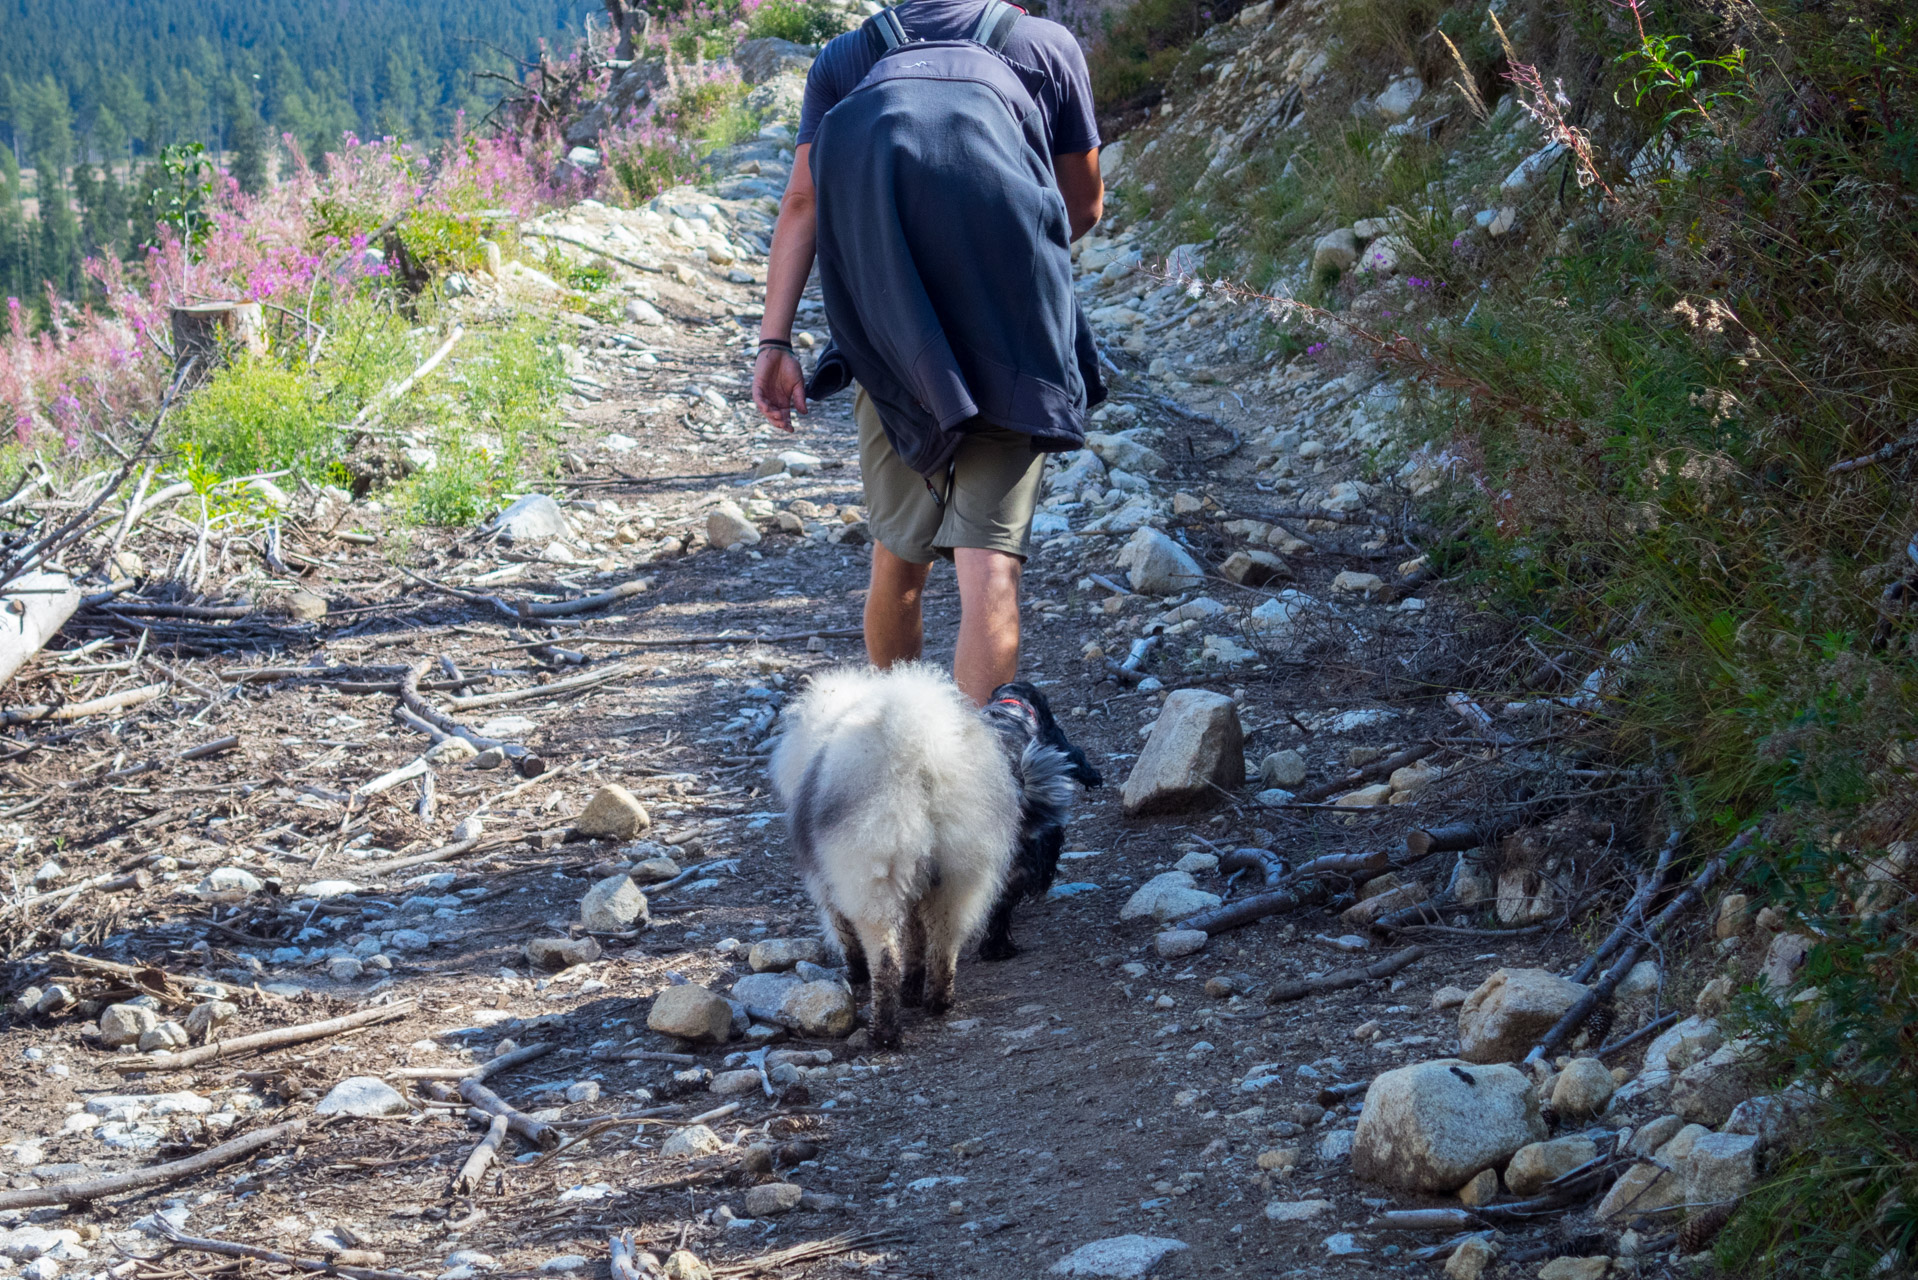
column 1024, row 701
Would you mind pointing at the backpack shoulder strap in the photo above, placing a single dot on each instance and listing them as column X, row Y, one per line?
column 996, row 23
column 887, row 33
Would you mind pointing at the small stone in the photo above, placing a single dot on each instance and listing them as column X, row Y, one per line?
column 614, row 905
column 1525, row 897
column 726, row 1083
column 491, row 758
column 692, row 1142
column 534, row 518
column 1155, row 565
column 1335, row 252
column 1254, row 568
column 363, row 1096
column 1279, row 1158
column 303, row 606
column 1197, row 864
column 1642, row 1189
column 125, row 1024
column 583, row 1091
column 1470, row 1260
column 567, row 1262
column 1432, row 1126
column 451, row 751
column 820, row 1009
column 1707, row 1091
column 1174, row 944
column 1714, row 997
column 1653, row 1134
column 1510, row 1010
column 1783, row 959
column 1480, row 1189
column 344, row 968
column 1120, row 1257
column 1643, row 979
column 229, row 880
column 640, row 311
column 776, row 955
column 164, row 1038
column 1283, row 769
column 1584, row 1087
column 771, row 1199
column 1538, row 1163
column 1295, row 1210
column 614, row 813
column 1367, row 797
column 1449, row 997
column 1350, row 582
column 727, row 527
column 1734, row 916
column 691, row 1012
column 1720, row 1168
column 1575, row 1269
column 1197, row 749
column 683, row 1265
column 1169, row 896
column 557, row 953
column 653, row 870
column 1367, row 911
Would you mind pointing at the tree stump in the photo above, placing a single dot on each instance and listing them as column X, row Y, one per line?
column 209, row 332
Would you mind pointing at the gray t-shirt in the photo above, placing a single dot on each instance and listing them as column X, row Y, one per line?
column 1065, row 102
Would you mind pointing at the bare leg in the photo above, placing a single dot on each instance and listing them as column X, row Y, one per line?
column 882, row 952
column 895, row 625
column 913, row 986
column 987, row 655
column 849, row 947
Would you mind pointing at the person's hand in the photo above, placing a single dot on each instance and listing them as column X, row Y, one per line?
column 779, row 386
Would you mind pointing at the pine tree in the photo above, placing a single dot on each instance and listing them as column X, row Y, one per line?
column 248, row 139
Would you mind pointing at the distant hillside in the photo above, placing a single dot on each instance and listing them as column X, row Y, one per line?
column 111, row 79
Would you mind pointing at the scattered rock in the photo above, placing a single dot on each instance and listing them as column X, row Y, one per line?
column 1501, row 1020
column 164, row 1038
column 1395, row 100
column 125, row 1024
column 684, row 1265
column 1155, row 565
column 303, row 606
column 1295, row 1210
column 1120, row 1257
column 1469, row 1260
column 535, row 518
column 1367, row 911
column 614, row 905
column 363, row 1096
column 1734, row 916
column 1538, row 1163
column 1196, row 748
column 207, row 1017
column 1783, row 959
column 1707, row 1091
column 1124, row 452
column 228, row 880
column 1350, row 582
column 771, row 1199
column 1283, row 769
column 1575, row 1269
column 819, row 1009
column 1585, row 1086
column 1366, row 797
column 776, row 955
column 692, row 1142
column 1171, row 895
column 1335, row 252
column 613, row 813
column 727, row 527
column 1525, row 897
column 1642, row 1189
column 559, row 953
column 1431, row 1126
column 1481, row 1188
column 1653, row 1134
column 1720, row 1168
column 1643, row 979
column 1254, row 568
column 691, row 1012
column 727, row 1083
column 653, row 870
column 1449, row 997
column 1176, row 943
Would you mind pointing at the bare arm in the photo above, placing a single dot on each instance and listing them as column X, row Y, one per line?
column 1079, row 182
column 778, row 384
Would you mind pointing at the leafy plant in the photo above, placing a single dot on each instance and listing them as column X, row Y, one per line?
column 1670, row 76
column 180, row 198
column 794, row 20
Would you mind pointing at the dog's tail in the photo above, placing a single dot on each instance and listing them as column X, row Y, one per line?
column 1046, row 776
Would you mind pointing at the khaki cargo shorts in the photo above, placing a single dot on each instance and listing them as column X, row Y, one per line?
column 995, row 487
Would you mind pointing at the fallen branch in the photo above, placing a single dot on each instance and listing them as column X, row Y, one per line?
column 484, row 1071
column 147, row 977
column 1582, row 1008
column 785, row 637
column 1269, row 865
column 571, row 684
column 83, row 1190
column 200, row 752
column 227, row 1249
column 77, row 710
column 538, row 1132
column 550, row 611
column 1132, row 670
column 645, row 1055
column 1305, row 889
column 1371, row 772
column 1903, row 445
column 1339, row 981
column 467, row 1180
column 260, row 1041
column 624, row 1262
column 1651, row 1028
column 444, row 853
column 1634, row 911
column 1456, row 837
column 37, row 606
column 425, row 716
column 809, row 1251
column 106, row 882
column 378, row 403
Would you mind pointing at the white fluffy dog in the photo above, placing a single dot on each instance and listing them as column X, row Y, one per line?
column 905, row 813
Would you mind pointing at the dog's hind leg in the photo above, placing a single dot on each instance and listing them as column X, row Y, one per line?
column 998, row 944
column 942, row 944
column 882, row 953
column 912, row 989
column 855, row 954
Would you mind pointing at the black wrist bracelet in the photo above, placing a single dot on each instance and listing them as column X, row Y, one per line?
column 779, row 343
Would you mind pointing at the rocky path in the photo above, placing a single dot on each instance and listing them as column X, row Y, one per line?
column 1105, row 1083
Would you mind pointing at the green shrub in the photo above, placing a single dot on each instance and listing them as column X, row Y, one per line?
column 443, row 242
column 1143, row 43
column 794, row 20
column 254, row 415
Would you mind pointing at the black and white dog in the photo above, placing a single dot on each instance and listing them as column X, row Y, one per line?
column 1049, row 764
column 912, row 814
